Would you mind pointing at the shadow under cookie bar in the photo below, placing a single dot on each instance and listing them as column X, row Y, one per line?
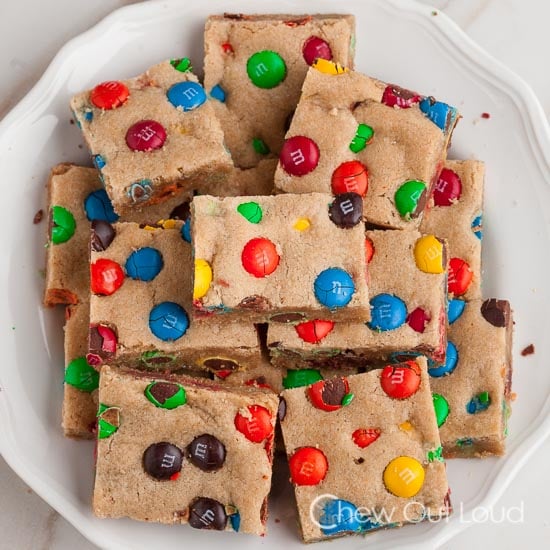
column 141, row 302
column 353, row 133
column 254, row 69
column 152, row 136
column 472, row 391
column 179, row 450
column 407, row 285
column 285, row 257
column 454, row 213
column 364, row 452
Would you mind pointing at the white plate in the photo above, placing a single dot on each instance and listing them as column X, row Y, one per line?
column 397, row 41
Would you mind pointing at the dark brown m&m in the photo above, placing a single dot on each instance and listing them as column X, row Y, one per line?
column 163, row 461
column 207, row 513
column 496, row 312
column 206, row 452
column 103, row 234
column 346, row 211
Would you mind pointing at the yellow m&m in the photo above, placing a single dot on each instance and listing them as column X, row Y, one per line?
column 404, row 476
column 428, row 254
column 203, row 278
column 329, row 67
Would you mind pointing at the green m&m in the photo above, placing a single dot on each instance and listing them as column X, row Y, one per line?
column 363, row 136
column 81, row 375
column 441, row 407
column 166, row 395
column 260, row 146
column 108, row 421
column 409, row 197
column 266, row 69
column 62, row 224
column 251, row 211
column 301, row 377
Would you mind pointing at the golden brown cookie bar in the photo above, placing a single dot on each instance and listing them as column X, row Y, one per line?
column 180, row 450
column 407, row 278
column 472, row 391
column 352, row 133
column 152, row 136
column 279, row 257
column 455, row 214
column 141, row 300
column 255, row 66
column 364, row 451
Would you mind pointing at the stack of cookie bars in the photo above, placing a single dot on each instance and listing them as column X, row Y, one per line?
column 286, row 245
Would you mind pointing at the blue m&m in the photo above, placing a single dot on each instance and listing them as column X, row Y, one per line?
column 451, row 361
column 338, row 517
column 334, row 287
column 455, row 309
column 187, row 95
column 168, row 321
column 98, row 207
column 388, row 312
column 186, row 230
column 441, row 114
column 144, row 264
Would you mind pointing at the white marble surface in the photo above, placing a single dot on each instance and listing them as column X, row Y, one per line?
column 513, row 31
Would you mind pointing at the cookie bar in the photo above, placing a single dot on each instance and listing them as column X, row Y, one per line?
column 255, row 67
column 472, row 391
column 455, row 214
column 352, row 133
column 407, row 284
column 152, row 136
column 180, row 450
column 364, row 451
column 141, row 282
column 288, row 258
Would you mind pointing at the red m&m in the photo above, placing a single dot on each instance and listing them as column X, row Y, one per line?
column 316, row 48
column 400, row 381
column 259, row 257
column 418, row 319
column 363, row 437
column 254, row 423
column 145, row 135
column 109, row 95
column 460, row 276
column 448, row 188
column 330, row 395
column 106, row 277
column 308, row 466
column 314, row 331
column 350, row 177
column 299, row 156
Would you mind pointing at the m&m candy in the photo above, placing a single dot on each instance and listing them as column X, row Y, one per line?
column 260, row 257
column 451, row 361
column 108, row 421
column 255, row 423
column 429, row 254
column 144, row 264
column 455, row 308
column 314, row 331
column 363, row 437
column 395, row 96
column 334, row 287
column 102, row 235
column 441, row 406
column 363, row 136
column 388, row 312
column 404, row 476
column 460, row 276
column 266, row 69
column 299, row 155
column 350, row 177
column 308, row 466
column 441, row 114
column 251, row 211
column 186, row 95
column 478, row 403
column 81, row 375
column 207, row 513
column 168, row 321
column 62, row 224
column 106, row 277
column 418, row 319
column 98, row 206
column 448, row 188
column 301, row 377
column 109, row 95
column 206, row 452
column 145, row 135
column 202, row 279
column 316, row 48
column 410, row 198
column 346, row 210
column 400, row 381
column 166, row 395
column 339, row 516
column 330, row 395
column 163, row 461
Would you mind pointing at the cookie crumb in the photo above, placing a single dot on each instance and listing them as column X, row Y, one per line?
column 528, row 350
column 38, row 216
column 277, row 520
column 71, row 120
column 485, row 115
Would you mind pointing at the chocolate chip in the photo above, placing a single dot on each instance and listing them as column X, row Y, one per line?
column 207, row 513
column 103, row 234
column 347, row 210
column 162, row 460
column 359, row 460
column 287, row 317
column 181, row 212
column 38, row 216
column 281, row 412
column 255, row 302
column 496, row 312
column 334, row 391
column 206, row 452
column 217, row 363
column 162, row 391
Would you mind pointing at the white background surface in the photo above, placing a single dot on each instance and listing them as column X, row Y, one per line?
column 513, row 31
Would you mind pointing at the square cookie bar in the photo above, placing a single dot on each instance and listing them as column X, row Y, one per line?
column 352, row 133
column 407, row 284
column 255, row 67
column 180, row 450
column 141, row 283
column 152, row 136
column 282, row 257
column 455, row 214
column 364, row 451
column 472, row 391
